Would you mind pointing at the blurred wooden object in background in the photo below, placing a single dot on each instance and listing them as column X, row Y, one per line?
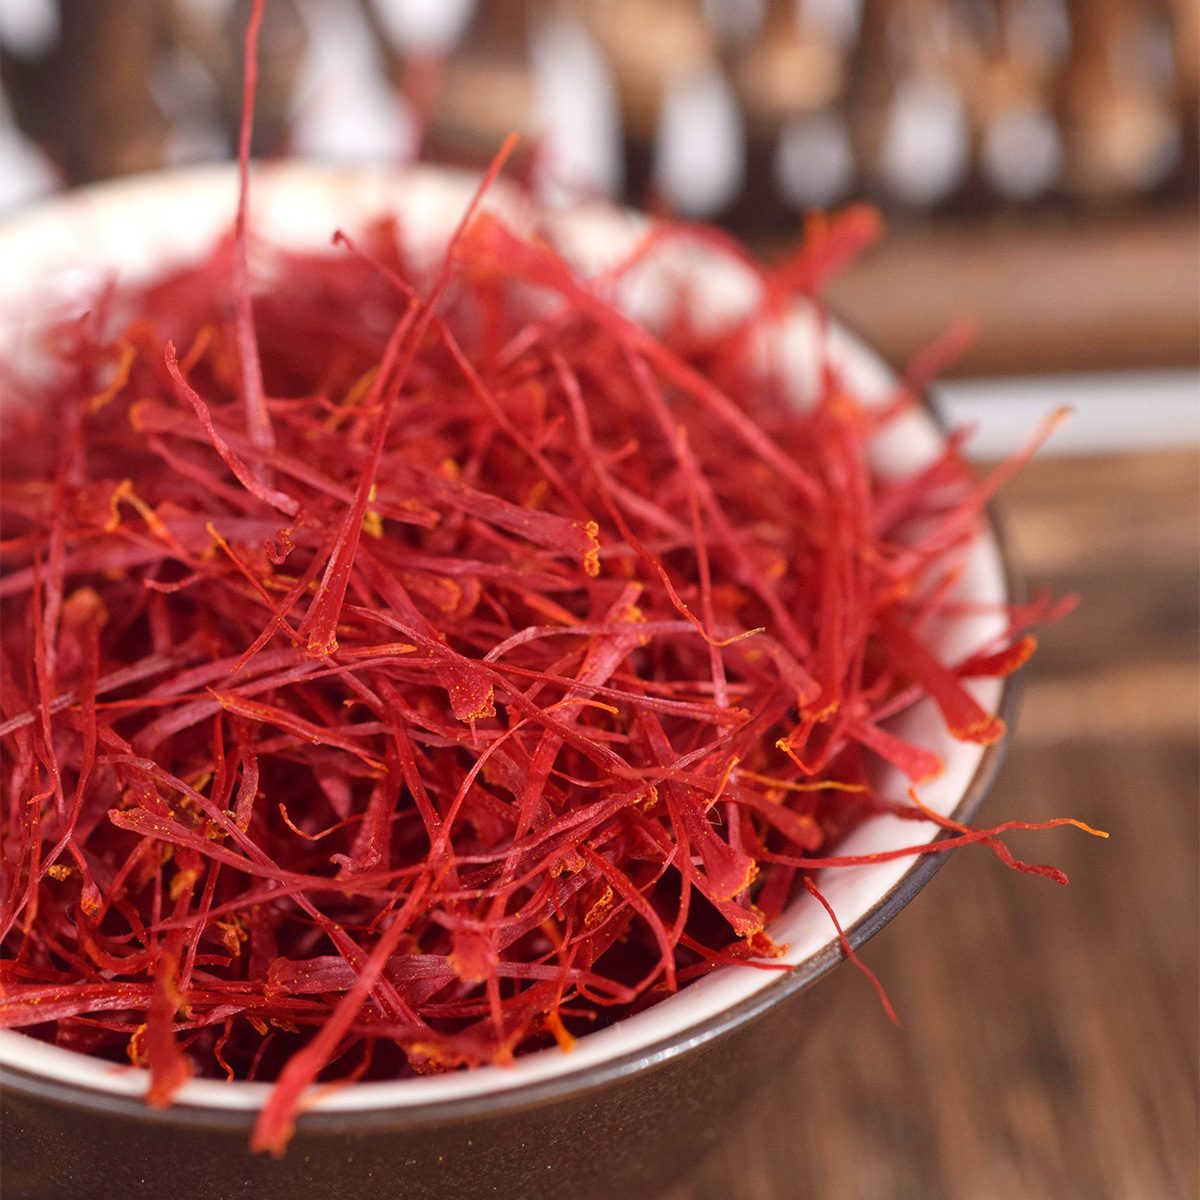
column 947, row 104
column 1037, row 159
column 1119, row 100
column 1050, row 292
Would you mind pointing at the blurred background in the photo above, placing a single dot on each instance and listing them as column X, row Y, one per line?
column 1037, row 159
column 1037, row 162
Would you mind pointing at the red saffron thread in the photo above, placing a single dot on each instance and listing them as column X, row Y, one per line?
column 848, row 951
column 435, row 665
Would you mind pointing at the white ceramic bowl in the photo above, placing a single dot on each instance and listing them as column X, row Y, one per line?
column 56, row 257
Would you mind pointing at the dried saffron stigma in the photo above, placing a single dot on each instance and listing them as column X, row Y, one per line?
column 407, row 665
column 512, row 685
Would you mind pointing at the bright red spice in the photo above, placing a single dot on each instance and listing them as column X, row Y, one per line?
column 414, row 669
column 516, row 679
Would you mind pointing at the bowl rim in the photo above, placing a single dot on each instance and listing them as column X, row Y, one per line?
column 609, row 1071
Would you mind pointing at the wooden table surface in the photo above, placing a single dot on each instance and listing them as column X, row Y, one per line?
column 1056, row 291
column 1048, row 1048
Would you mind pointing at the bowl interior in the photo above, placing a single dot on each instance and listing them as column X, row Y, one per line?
column 133, row 230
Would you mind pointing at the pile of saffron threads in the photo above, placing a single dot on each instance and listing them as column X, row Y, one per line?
column 406, row 669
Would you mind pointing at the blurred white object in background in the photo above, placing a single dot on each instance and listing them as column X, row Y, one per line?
column 699, row 157
column 814, row 160
column 25, row 171
column 211, row 11
column 424, row 26
column 1113, row 412
column 926, row 143
column 575, row 113
column 1021, row 152
column 190, row 98
column 28, row 28
column 344, row 109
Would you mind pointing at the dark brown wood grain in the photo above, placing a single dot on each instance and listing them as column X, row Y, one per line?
column 1058, row 291
column 1048, row 1049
